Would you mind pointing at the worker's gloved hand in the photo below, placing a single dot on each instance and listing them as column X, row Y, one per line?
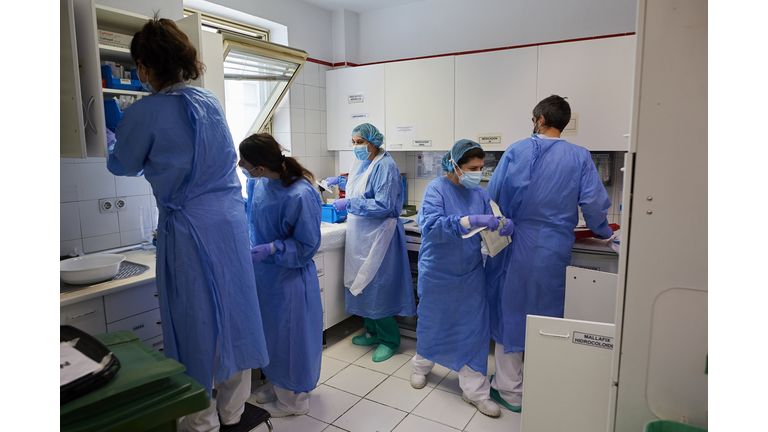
column 332, row 181
column 110, row 140
column 260, row 252
column 341, row 204
column 489, row 221
column 508, row 228
column 607, row 237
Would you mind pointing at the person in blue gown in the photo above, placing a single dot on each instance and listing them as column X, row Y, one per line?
column 540, row 183
column 284, row 219
column 376, row 270
column 453, row 328
column 177, row 138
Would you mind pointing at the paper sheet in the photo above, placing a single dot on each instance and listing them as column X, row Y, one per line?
column 75, row 364
column 473, row 231
column 493, row 241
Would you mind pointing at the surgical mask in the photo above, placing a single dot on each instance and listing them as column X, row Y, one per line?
column 361, row 152
column 471, row 179
column 148, row 86
column 536, row 128
column 247, row 173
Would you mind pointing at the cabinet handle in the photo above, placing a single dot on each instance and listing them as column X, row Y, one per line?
column 159, row 322
column 155, row 294
column 88, row 115
column 555, row 335
column 81, row 315
column 160, row 349
column 85, row 115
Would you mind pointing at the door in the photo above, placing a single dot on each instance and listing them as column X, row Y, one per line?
column 90, row 78
column 72, row 115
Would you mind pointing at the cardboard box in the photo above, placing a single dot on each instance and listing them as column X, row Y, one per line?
column 115, row 39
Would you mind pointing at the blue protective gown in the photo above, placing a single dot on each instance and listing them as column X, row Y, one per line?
column 181, row 143
column 539, row 183
column 390, row 292
column 289, row 291
column 453, row 328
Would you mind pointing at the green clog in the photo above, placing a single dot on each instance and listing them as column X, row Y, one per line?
column 382, row 353
column 497, row 398
column 364, row 340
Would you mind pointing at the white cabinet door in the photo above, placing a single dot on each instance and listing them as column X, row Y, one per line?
column 145, row 326
column 495, row 94
column 211, row 56
column 90, row 78
column 597, row 78
column 333, row 279
column 360, row 98
column 192, row 27
column 590, row 295
column 420, row 102
column 71, row 109
column 567, row 375
column 87, row 316
column 130, row 302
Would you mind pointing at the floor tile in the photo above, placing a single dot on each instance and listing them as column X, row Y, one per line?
column 433, row 378
column 446, row 408
column 298, row 424
column 367, row 416
column 388, row 366
column 330, row 340
column 407, row 346
column 450, row 383
column 330, row 367
column 357, row 332
column 414, row 423
column 508, row 422
column 332, row 428
column 327, row 403
column 346, row 351
column 346, row 327
column 398, row 393
column 356, row 380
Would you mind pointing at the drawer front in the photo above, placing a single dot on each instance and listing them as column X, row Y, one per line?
column 156, row 343
column 319, row 263
column 144, row 326
column 321, row 279
column 130, row 302
column 87, row 316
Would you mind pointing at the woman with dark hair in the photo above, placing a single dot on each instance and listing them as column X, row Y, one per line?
column 453, row 328
column 179, row 140
column 283, row 211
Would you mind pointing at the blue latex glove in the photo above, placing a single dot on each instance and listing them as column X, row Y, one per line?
column 341, row 204
column 507, row 229
column 489, row 221
column 110, row 140
column 260, row 252
column 332, row 181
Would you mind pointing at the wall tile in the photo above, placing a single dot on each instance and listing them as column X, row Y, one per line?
column 322, row 69
column 130, row 219
column 284, row 139
column 324, row 144
column 314, row 146
column 297, row 120
column 298, row 145
column 285, row 102
column 69, row 221
column 68, row 246
column 92, row 160
column 400, row 159
column 131, row 186
column 311, row 98
column 311, row 74
column 67, row 182
column 421, row 186
column 312, row 121
column 100, row 243
column 300, row 77
column 411, row 190
column 327, row 166
column 323, row 122
column 130, row 238
column 282, row 120
column 297, row 96
column 323, row 106
column 94, row 181
column 93, row 223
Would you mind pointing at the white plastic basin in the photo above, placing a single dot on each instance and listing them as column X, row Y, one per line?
column 90, row 269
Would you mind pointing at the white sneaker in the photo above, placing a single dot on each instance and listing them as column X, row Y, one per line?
column 418, row 381
column 276, row 412
column 266, row 396
column 487, row 406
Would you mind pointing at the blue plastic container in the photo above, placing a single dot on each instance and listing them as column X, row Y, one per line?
column 405, row 191
column 112, row 113
column 331, row 215
column 121, row 84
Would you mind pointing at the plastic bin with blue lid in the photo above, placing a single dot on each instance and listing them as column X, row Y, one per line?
column 133, row 84
column 330, row 214
column 112, row 113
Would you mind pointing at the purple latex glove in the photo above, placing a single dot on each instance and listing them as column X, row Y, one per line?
column 332, row 181
column 507, row 229
column 341, row 204
column 260, row 252
column 489, row 221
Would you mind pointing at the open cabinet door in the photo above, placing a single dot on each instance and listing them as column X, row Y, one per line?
column 192, row 27
column 72, row 135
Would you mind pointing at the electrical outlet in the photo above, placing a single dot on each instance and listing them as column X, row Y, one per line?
column 107, row 205
column 121, row 204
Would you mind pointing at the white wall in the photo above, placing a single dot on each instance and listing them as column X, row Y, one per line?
column 434, row 27
column 171, row 9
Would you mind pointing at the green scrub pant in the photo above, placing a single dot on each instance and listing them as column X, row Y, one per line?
column 386, row 329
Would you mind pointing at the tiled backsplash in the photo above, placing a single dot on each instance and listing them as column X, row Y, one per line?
column 83, row 183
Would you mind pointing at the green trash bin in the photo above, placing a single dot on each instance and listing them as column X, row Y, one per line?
column 148, row 393
column 670, row 426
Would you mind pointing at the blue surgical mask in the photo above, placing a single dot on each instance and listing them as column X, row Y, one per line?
column 247, row 173
column 470, row 179
column 148, row 86
column 361, row 152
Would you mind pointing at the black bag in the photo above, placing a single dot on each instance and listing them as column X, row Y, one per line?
column 96, row 351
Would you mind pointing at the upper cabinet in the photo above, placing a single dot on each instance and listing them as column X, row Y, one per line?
column 596, row 77
column 495, row 94
column 420, row 104
column 354, row 96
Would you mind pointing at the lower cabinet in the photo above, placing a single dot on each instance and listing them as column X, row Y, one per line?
column 330, row 273
column 87, row 316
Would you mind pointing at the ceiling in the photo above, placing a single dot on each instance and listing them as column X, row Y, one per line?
column 358, row 5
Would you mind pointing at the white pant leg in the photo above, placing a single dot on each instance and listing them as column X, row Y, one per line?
column 288, row 401
column 474, row 384
column 231, row 396
column 206, row 420
column 420, row 365
column 508, row 380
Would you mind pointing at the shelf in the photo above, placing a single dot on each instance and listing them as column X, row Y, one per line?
column 120, row 21
column 124, row 92
column 119, row 55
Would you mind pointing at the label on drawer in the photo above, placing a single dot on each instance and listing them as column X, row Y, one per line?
column 593, row 340
column 125, row 81
column 489, row 139
column 356, row 98
column 422, row 143
column 358, row 116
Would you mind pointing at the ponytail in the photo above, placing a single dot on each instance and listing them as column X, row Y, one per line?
column 263, row 150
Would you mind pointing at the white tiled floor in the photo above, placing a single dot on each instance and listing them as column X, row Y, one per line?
column 357, row 395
